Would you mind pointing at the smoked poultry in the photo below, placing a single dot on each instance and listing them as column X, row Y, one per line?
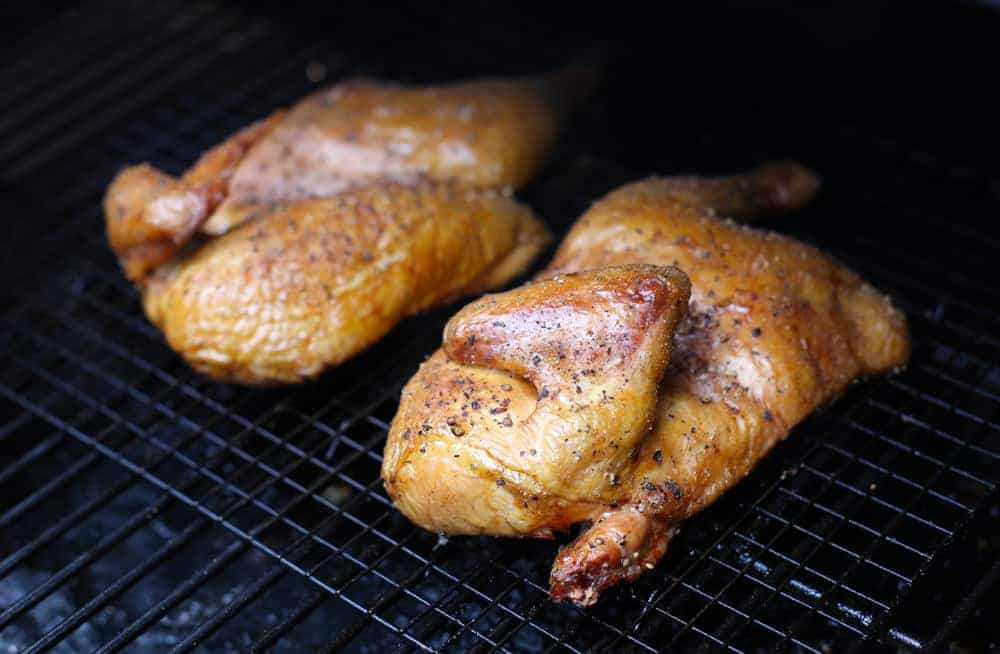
column 492, row 133
column 308, row 284
column 548, row 405
column 305, row 237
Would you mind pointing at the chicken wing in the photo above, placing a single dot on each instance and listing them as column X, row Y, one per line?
column 150, row 216
column 306, row 285
column 489, row 440
column 491, row 133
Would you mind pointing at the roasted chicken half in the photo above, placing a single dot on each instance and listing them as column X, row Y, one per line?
column 305, row 237
column 491, row 134
column 548, row 405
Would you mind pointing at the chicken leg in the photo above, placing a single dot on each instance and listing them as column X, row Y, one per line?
column 484, row 134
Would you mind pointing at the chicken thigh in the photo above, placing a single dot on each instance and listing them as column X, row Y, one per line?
column 492, row 133
column 540, row 411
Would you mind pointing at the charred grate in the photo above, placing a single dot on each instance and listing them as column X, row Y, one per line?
column 147, row 509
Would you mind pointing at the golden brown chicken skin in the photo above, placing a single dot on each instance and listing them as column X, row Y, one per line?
column 303, row 238
column 302, row 287
column 490, row 133
column 494, row 433
column 774, row 328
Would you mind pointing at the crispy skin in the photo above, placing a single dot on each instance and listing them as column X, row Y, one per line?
column 304, row 286
column 493, row 434
column 491, row 133
column 774, row 329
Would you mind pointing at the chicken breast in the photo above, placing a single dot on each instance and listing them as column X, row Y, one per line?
column 494, row 434
column 306, row 285
column 773, row 329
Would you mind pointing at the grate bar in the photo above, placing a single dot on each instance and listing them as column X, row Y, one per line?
column 175, row 544
column 913, row 500
column 129, row 79
column 823, row 541
column 71, row 519
column 262, row 585
column 506, row 627
column 102, row 547
column 449, row 594
column 907, row 418
column 109, row 542
column 865, row 554
column 908, row 262
column 679, row 579
column 802, row 566
column 191, row 391
column 899, row 280
column 877, row 500
column 779, row 590
column 19, row 509
column 193, row 583
column 167, row 412
column 851, row 521
column 301, row 612
column 14, row 425
column 112, row 113
column 387, row 598
column 215, row 517
column 27, row 107
column 259, row 587
column 903, row 447
column 64, row 524
column 982, row 392
column 808, row 503
column 82, row 512
column 278, row 571
column 895, row 476
column 122, row 584
column 187, row 461
column 30, row 457
column 176, row 596
column 47, row 63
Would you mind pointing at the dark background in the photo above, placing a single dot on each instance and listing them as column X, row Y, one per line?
column 707, row 86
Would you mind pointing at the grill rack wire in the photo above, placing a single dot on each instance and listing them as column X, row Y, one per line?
column 147, row 508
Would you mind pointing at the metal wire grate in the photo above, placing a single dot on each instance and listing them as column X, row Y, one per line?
column 146, row 508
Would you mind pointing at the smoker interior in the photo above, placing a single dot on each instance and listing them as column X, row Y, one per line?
column 144, row 508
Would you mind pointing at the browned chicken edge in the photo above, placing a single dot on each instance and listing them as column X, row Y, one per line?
column 521, row 427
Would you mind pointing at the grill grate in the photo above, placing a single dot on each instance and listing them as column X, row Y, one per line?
column 147, row 508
